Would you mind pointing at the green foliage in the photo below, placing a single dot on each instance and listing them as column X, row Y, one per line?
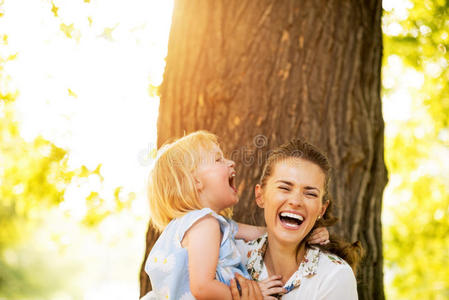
column 19, row 281
column 416, row 207
column 423, row 43
column 153, row 90
column 34, row 176
column 98, row 210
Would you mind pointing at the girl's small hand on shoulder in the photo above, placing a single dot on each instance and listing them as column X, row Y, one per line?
column 319, row 236
column 271, row 287
column 249, row 289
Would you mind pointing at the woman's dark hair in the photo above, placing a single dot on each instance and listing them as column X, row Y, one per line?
column 297, row 148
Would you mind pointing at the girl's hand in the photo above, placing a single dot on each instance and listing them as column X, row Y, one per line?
column 319, row 236
column 271, row 287
column 249, row 289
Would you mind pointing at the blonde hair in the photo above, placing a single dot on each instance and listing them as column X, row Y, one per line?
column 171, row 186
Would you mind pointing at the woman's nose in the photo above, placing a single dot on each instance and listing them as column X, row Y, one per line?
column 295, row 199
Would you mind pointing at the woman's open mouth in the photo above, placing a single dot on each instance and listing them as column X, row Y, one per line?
column 291, row 220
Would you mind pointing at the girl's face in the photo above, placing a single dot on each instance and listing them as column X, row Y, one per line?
column 292, row 199
column 214, row 179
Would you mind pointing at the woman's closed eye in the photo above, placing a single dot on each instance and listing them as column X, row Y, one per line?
column 312, row 195
column 285, row 188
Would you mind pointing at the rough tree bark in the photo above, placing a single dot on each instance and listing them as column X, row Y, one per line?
column 258, row 73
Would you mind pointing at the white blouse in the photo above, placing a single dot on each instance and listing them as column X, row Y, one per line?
column 321, row 276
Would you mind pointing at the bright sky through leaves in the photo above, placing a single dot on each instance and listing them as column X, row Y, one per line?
column 86, row 73
column 89, row 93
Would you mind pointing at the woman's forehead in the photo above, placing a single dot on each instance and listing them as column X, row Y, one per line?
column 298, row 170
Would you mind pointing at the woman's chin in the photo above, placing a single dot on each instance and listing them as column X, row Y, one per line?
column 289, row 236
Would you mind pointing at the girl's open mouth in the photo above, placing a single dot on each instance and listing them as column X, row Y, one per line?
column 232, row 182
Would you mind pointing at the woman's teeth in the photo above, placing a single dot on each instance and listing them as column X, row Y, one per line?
column 290, row 219
column 291, row 215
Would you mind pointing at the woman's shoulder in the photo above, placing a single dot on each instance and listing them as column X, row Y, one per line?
column 332, row 259
column 334, row 266
column 336, row 278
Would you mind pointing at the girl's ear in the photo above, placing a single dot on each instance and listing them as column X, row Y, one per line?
column 198, row 184
column 258, row 192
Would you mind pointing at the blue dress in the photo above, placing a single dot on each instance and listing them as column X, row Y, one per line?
column 167, row 263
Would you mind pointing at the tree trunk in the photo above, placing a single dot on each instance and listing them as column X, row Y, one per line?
column 258, row 73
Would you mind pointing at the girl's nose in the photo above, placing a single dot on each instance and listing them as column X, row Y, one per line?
column 231, row 163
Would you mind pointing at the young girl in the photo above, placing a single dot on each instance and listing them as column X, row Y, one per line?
column 191, row 192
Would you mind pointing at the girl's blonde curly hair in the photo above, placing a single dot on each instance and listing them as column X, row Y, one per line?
column 171, row 185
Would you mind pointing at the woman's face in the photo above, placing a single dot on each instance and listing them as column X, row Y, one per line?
column 292, row 199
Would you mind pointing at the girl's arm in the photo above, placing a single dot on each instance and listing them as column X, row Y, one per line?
column 202, row 242
column 319, row 235
column 249, row 232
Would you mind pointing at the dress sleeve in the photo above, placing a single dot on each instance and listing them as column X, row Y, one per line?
column 227, row 226
column 340, row 284
column 188, row 220
column 243, row 249
column 234, row 227
column 149, row 296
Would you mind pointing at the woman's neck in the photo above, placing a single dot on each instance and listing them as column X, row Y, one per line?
column 283, row 260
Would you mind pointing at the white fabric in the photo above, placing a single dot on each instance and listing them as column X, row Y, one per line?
column 167, row 264
column 324, row 276
column 149, row 296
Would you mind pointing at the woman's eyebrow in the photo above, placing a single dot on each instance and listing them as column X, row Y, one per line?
column 285, row 182
column 312, row 188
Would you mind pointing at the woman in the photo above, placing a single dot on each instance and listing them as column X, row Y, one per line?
column 293, row 192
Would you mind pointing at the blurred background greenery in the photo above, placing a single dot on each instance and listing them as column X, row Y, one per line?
column 72, row 204
column 78, row 113
column 415, row 96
